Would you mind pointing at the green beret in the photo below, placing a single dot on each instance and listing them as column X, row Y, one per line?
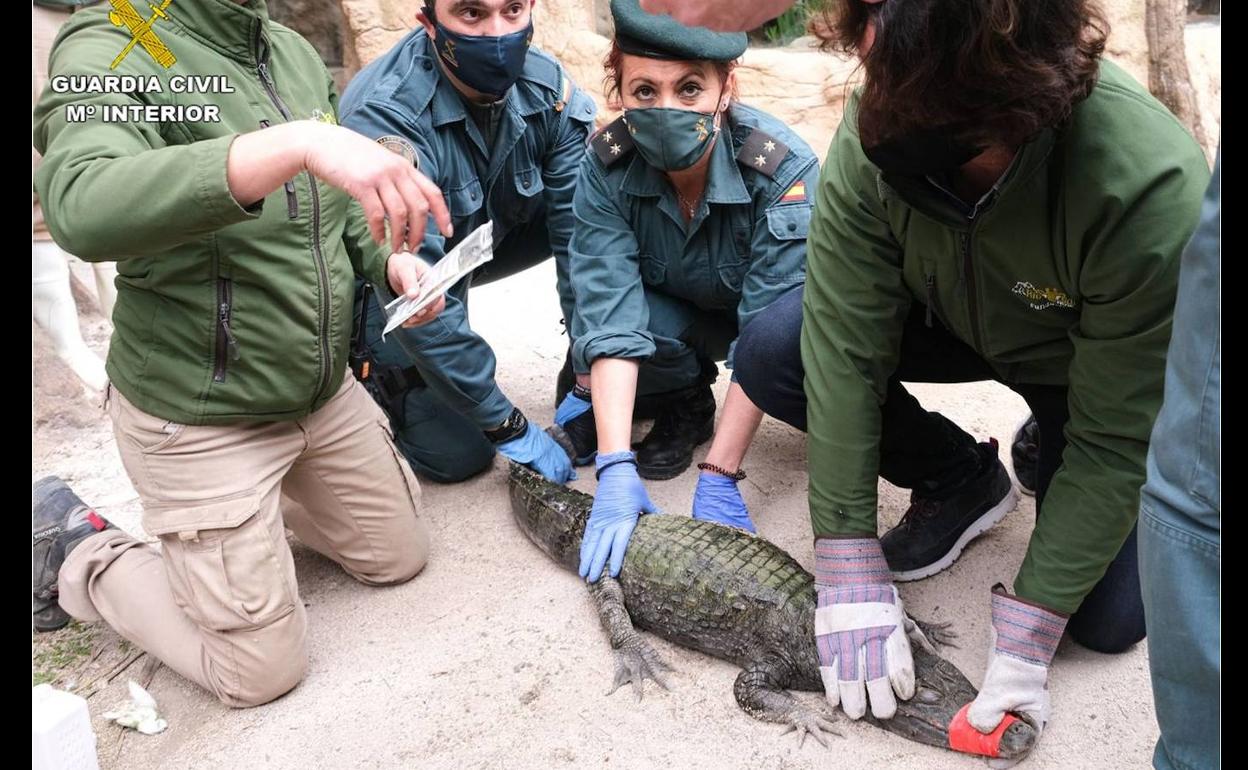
column 662, row 37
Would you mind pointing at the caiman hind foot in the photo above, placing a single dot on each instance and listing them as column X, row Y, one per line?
column 813, row 722
column 635, row 662
column 760, row 691
column 635, row 659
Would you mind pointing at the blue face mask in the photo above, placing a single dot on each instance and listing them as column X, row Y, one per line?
column 671, row 139
column 485, row 63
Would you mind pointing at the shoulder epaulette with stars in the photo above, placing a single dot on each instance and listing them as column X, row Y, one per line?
column 762, row 152
column 612, row 142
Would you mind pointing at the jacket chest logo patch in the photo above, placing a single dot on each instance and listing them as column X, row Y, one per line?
column 324, row 117
column 1039, row 299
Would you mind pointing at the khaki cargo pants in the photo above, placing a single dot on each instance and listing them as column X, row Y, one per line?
column 218, row 603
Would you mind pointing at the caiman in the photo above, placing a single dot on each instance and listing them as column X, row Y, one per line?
column 740, row 598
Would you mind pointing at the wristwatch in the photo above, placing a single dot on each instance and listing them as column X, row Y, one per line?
column 515, row 425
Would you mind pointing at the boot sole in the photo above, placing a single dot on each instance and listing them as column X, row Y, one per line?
column 987, row 521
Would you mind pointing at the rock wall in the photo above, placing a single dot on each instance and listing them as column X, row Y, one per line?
column 798, row 84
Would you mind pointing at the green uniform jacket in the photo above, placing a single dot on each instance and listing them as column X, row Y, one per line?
column 1064, row 274
column 223, row 314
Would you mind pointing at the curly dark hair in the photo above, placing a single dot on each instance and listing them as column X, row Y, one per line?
column 987, row 70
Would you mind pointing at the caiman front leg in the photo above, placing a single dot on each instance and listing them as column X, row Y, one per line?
column 761, row 692
column 635, row 659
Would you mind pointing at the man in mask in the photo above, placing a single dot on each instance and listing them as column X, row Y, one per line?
column 500, row 127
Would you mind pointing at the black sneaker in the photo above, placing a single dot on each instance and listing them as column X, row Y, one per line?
column 60, row 520
column 932, row 534
column 686, row 421
column 1025, row 455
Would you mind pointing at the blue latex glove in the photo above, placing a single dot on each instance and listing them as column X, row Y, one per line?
column 717, row 499
column 570, row 408
column 620, row 500
column 575, row 428
column 536, row 449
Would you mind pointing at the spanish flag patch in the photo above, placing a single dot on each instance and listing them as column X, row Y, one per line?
column 796, row 193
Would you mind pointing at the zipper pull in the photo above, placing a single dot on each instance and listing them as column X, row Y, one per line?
column 223, row 314
column 292, row 203
column 931, row 293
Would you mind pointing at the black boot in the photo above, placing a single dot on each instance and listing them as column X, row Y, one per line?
column 60, row 520
column 686, row 421
column 935, row 529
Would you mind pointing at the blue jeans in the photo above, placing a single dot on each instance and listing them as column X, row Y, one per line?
column 1180, row 529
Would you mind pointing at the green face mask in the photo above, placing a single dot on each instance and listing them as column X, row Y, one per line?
column 671, row 139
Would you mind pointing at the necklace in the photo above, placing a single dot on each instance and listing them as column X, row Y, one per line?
column 687, row 206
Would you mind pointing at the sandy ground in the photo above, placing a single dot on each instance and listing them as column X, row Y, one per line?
column 493, row 656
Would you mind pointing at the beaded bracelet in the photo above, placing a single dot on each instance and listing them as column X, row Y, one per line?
column 739, row 475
